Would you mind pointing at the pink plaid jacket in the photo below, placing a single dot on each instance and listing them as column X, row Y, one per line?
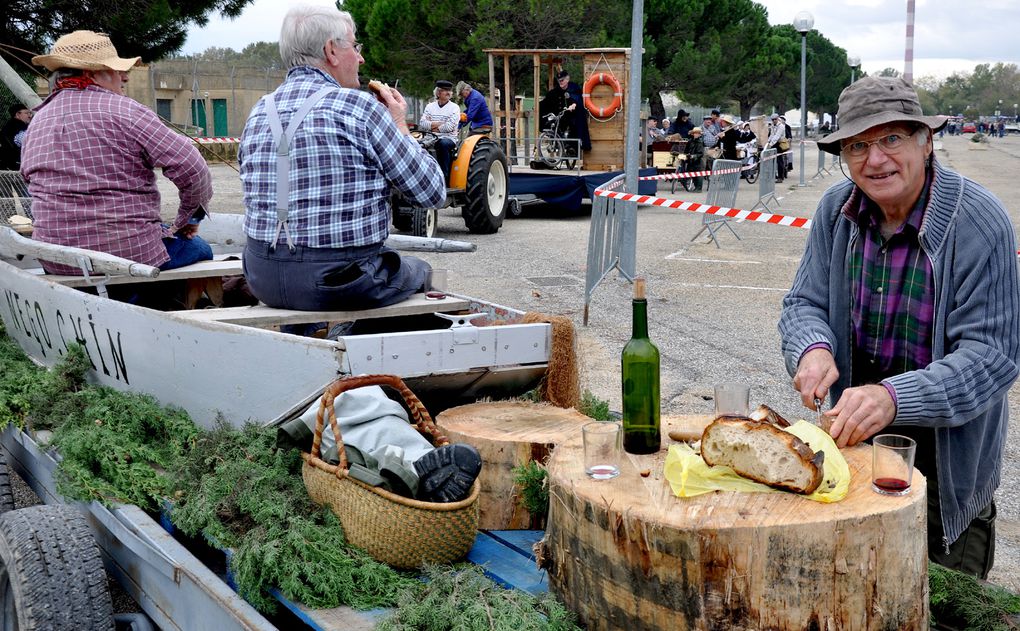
column 89, row 157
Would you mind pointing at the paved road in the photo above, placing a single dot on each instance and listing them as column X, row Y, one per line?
column 713, row 311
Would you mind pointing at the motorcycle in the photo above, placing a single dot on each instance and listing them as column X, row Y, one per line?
column 749, row 154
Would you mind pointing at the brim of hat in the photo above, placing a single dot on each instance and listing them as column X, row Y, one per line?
column 831, row 143
column 55, row 62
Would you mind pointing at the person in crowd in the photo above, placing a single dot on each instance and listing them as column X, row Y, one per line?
column 442, row 117
column 315, row 235
column 695, row 152
column 788, row 134
column 89, row 161
column 710, row 136
column 477, row 117
column 566, row 95
column 653, row 133
column 904, row 312
column 733, row 133
column 681, row 124
column 777, row 140
column 12, row 136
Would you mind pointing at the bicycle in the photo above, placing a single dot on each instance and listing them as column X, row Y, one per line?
column 553, row 147
column 682, row 166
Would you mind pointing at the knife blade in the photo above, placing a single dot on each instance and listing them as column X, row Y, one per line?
column 818, row 412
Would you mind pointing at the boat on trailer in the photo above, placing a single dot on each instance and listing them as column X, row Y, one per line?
column 233, row 363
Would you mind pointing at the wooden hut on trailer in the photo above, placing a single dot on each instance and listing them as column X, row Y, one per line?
column 604, row 75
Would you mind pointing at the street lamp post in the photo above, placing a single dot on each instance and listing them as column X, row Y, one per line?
column 803, row 22
column 1015, row 117
column 855, row 62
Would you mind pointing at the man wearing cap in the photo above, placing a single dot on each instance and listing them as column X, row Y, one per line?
column 695, row 151
column 566, row 95
column 710, row 131
column 89, row 163
column 477, row 117
column 905, row 311
column 12, row 137
column 319, row 159
column 731, row 135
column 441, row 117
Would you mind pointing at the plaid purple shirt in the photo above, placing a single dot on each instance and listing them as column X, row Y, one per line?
column 89, row 157
column 346, row 156
column 893, row 295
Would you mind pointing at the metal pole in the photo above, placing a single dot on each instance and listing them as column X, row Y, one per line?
column 852, row 75
column 803, row 102
column 21, row 90
column 628, row 249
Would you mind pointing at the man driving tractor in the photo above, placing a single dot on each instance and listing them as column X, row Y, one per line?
column 441, row 117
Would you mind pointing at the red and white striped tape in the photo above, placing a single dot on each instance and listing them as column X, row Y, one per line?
column 732, row 213
column 216, row 140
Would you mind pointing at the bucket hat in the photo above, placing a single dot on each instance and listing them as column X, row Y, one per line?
column 84, row 50
column 874, row 101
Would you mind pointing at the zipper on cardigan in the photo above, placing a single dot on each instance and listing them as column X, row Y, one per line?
column 938, row 469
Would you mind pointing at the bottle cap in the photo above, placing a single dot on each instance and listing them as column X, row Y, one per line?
column 639, row 288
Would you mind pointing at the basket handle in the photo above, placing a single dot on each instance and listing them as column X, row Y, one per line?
column 422, row 421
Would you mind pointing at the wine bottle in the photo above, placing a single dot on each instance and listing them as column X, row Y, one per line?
column 640, row 368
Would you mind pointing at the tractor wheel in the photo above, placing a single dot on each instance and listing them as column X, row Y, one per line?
column 403, row 223
column 486, row 195
column 423, row 222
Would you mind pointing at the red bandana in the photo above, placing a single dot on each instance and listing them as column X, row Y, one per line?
column 78, row 83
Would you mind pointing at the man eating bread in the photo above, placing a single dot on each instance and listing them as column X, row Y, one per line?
column 319, row 158
column 904, row 312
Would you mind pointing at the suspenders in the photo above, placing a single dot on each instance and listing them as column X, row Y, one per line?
column 283, row 140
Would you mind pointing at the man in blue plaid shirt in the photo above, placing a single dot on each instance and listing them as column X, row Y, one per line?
column 319, row 158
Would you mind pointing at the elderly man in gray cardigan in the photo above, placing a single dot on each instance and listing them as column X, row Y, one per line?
column 904, row 312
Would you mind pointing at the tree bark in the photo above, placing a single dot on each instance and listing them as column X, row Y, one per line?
column 628, row 554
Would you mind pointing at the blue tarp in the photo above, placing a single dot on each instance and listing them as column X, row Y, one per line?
column 568, row 191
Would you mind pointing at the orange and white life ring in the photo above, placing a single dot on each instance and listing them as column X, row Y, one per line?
column 598, row 111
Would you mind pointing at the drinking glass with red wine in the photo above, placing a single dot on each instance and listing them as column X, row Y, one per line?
column 892, row 464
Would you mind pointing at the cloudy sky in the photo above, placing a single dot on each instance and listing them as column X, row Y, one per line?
column 950, row 35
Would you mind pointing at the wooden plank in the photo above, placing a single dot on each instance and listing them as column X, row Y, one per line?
column 261, row 315
column 202, row 269
column 506, row 565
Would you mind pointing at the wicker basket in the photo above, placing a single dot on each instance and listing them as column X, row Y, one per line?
column 400, row 531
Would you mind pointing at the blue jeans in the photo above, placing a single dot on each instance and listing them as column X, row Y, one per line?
column 185, row 252
column 444, row 155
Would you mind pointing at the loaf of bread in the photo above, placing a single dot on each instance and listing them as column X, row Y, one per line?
column 762, row 452
column 768, row 415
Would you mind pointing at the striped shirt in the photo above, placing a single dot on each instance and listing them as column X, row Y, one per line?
column 893, row 295
column 346, row 157
column 89, row 158
column 448, row 117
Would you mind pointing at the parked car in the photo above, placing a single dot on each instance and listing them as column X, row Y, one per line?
column 968, row 128
column 1013, row 128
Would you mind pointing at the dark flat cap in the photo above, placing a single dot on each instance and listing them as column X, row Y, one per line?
column 562, row 73
column 443, row 84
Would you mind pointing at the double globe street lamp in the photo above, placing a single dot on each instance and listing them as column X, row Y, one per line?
column 803, row 22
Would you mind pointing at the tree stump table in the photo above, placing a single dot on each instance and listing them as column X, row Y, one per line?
column 508, row 434
column 628, row 554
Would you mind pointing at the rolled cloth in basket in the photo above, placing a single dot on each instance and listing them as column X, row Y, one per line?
column 377, row 433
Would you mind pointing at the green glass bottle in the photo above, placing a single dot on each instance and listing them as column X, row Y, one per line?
column 640, row 368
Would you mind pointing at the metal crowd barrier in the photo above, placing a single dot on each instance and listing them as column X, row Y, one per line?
column 821, row 164
column 722, row 191
column 612, row 240
column 767, row 180
column 14, row 197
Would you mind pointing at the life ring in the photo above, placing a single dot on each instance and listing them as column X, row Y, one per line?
column 597, row 111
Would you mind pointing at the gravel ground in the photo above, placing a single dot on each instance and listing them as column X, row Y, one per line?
column 712, row 312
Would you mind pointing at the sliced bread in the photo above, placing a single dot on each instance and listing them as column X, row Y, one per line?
column 762, row 452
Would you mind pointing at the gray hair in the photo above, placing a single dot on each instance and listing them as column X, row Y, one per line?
column 305, row 31
column 461, row 86
column 63, row 73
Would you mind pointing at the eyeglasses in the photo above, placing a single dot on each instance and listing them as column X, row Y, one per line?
column 357, row 46
column 890, row 144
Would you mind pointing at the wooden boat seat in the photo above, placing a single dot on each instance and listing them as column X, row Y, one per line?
column 222, row 265
column 262, row 315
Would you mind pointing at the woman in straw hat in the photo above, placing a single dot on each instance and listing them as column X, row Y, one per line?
column 89, row 158
column 905, row 308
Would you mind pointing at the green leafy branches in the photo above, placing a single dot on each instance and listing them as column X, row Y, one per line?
column 964, row 602
column 465, row 600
